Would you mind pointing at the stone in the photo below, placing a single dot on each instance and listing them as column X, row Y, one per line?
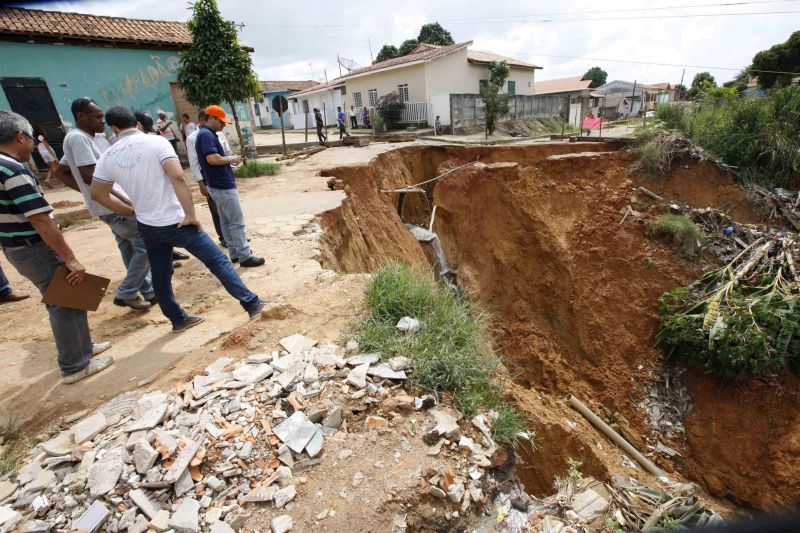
column 92, row 518
column 144, row 456
column 436, row 491
column 184, row 484
column 281, row 524
column 284, row 496
column 351, row 346
column 456, row 492
column 149, row 419
column 296, row 431
column 89, row 428
column 219, row 526
column 260, row 494
column 358, row 376
column 310, row 374
column 7, row 488
column 247, row 449
column 384, row 371
column 182, row 461
column 214, row 483
column 252, row 373
column 446, row 422
column 408, row 325
column 363, row 359
column 259, row 358
column 237, row 520
column 297, row 344
column 186, row 519
column 59, row 445
column 160, row 522
column 358, row 477
column 588, row 504
column 344, row 454
column 104, row 474
column 127, row 519
column 334, row 419
column 213, row 514
column 376, row 422
column 143, row 501
column 399, row 363
column 314, row 446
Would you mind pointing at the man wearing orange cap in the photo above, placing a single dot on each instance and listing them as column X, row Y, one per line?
column 221, row 185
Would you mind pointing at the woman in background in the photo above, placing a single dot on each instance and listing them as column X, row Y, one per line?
column 47, row 153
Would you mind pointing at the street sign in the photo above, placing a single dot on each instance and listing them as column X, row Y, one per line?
column 280, row 104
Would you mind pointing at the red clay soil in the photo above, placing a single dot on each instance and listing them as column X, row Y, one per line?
column 573, row 296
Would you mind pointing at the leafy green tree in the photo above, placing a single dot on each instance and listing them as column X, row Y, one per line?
column 784, row 57
column 433, row 33
column 702, row 82
column 680, row 91
column 739, row 82
column 597, row 75
column 388, row 51
column 215, row 68
column 407, row 47
column 390, row 108
column 495, row 102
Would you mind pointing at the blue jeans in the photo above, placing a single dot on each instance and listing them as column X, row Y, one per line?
column 134, row 256
column 38, row 263
column 231, row 219
column 160, row 240
column 5, row 288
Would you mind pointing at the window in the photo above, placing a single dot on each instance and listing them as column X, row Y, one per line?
column 403, row 90
column 482, row 84
column 373, row 97
column 357, row 99
column 512, row 87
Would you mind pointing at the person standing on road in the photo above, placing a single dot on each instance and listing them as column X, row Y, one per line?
column 323, row 137
column 34, row 244
column 365, row 117
column 187, row 126
column 148, row 168
column 7, row 294
column 76, row 169
column 194, row 165
column 47, row 154
column 341, row 121
column 168, row 129
column 221, row 184
column 353, row 118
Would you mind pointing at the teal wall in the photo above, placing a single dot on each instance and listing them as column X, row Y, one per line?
column 133, row 78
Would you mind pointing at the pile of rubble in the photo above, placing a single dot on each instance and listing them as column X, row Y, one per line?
column 197, row 457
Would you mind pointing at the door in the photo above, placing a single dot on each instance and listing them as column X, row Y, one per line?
column 31, row 98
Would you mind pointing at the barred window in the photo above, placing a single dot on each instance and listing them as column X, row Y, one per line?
column 373, row 97
column 403, row 90
column 357, row 99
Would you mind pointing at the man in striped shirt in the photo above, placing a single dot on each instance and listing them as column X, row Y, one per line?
column 33, row 243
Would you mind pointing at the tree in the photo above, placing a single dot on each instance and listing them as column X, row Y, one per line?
column 680, row 91
column 739, row 82
column 784, row 57
column 495, row 103
column 388, row 51
column 597, row 75
column 701, row 82
column 390, row 108
column 407, row 47
column 433, row 33
column 215, row 68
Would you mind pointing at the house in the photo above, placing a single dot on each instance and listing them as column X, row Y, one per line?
column 264, row 115
column 325, row 96
column 50, row 58
column 575, row 88
column 660, row 93
column 620, row 98
column 424, row 79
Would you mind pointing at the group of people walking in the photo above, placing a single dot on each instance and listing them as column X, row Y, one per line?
column 137, row 187
column 341, row 122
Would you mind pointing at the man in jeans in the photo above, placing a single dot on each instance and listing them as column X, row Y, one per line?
column 147, row 168
column 75, row 170
column 194, row 166
column 7, row 294
column 35, row 246
column 221, row 185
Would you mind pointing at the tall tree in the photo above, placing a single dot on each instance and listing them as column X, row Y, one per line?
column 597, row 75
column 215, row 68
column 495, row 102
column 388, row 51
column 702, row 81
column 407, row 47
column 784, row 57
column 433, row 33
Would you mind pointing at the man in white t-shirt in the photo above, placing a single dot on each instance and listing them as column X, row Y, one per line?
column 194, row 165
column 81, row 152
column 147, row 168
column 187, row 126
column 168, row 129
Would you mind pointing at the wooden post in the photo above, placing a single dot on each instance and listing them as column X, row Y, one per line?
column 306, row 126
column 283, row 134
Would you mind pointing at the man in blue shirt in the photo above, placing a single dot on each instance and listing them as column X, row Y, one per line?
column 221, row 184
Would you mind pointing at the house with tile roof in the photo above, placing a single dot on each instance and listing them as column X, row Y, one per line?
column 575, row 88
column 264, row 115
column 49, row 58
column 429, row 74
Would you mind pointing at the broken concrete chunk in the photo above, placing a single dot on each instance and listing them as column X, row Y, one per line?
column 259, row 358
column 310, row 374
column 284, row 496
column 214, row 483
column 296, row 431
column 260, row 494
column 219, row 526
column 104, row 474
column 144, row 456
column 436, row 491
column 399, row 363
column 358, row 376
column 297, row 344
column 186, row 519
column 184, row 484
column 408, row 325
column 446, row 422
column 281, row 524
column 92, row 518
column 252, row 373
column 334, row 419
column 89, row 428
column 314, row 446
column 59, row 445
column 43, row 479
column 363, row 359
column 384, row 371
column 143, row 501
column 456, row 492
column 7, row 488
column 182, row 461
column 160, row 521
column 149, row 419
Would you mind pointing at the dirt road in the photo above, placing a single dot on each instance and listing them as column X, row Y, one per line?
column 280, row 212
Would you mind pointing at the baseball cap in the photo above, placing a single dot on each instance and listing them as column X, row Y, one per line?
column 217, row 112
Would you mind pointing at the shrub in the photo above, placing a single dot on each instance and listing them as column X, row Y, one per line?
column 671, row 115
column 255, row 169
column 451, row 351
column 390, row 108
column 678, row 227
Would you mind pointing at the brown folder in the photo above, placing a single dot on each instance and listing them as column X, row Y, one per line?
column 86, row 295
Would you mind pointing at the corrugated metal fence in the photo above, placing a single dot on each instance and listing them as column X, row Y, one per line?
column 467, row 110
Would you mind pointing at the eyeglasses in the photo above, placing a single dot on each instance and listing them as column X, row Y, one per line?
column 28, row 135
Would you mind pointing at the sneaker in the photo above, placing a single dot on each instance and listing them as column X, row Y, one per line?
column 188, row 323
column 176, row 264
column 253, row 261
column 134, row 303
column 100, row 347
column 153, row 301
column 179, row 255
column 13, row 296
column 94, row 366
column 234, row 261
column 255, row 310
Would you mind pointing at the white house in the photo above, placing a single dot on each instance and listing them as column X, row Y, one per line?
column 575, row 88
column 425, row 79
column 326, row 97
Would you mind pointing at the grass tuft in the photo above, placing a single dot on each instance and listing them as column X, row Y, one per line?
column 255, row 169
column 679, row 227
column 451, row 351
column 14, row 445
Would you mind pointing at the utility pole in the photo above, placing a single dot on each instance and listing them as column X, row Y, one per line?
column 633, row 97
column 684, row 72
column 371, row 59
column 338, row 62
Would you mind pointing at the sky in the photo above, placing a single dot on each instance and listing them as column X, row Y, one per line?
column 301, row 39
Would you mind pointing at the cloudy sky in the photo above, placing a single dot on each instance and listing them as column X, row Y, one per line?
column 300, row 39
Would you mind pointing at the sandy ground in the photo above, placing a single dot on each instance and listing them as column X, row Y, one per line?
column 280, row 213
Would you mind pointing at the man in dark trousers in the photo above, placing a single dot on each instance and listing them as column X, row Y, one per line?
column 34, row 244
column 147, row 168
column 341, row 120
column 323, row 137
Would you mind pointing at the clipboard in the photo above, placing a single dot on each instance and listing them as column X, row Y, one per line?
column 85, row 296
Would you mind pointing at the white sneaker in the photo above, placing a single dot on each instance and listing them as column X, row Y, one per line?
column 94, row 366
column 100, row 347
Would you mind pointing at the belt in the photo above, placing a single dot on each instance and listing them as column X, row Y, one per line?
column 19, row 242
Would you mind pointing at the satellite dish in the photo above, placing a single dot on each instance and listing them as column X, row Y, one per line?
column 349, row 64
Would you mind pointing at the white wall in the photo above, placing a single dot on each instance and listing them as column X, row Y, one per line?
column 453, row 74
column 387, row 82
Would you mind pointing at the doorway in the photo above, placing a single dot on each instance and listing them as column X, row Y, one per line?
column 31, row 98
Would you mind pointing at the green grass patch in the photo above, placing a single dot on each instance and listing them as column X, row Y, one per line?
column 451, row 351
column 15, row 446
column 256, row 169
column 679, row 227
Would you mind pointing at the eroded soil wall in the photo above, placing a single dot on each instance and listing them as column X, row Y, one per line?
column 573, row 293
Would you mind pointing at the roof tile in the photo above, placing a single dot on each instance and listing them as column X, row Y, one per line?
column 561, row 85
